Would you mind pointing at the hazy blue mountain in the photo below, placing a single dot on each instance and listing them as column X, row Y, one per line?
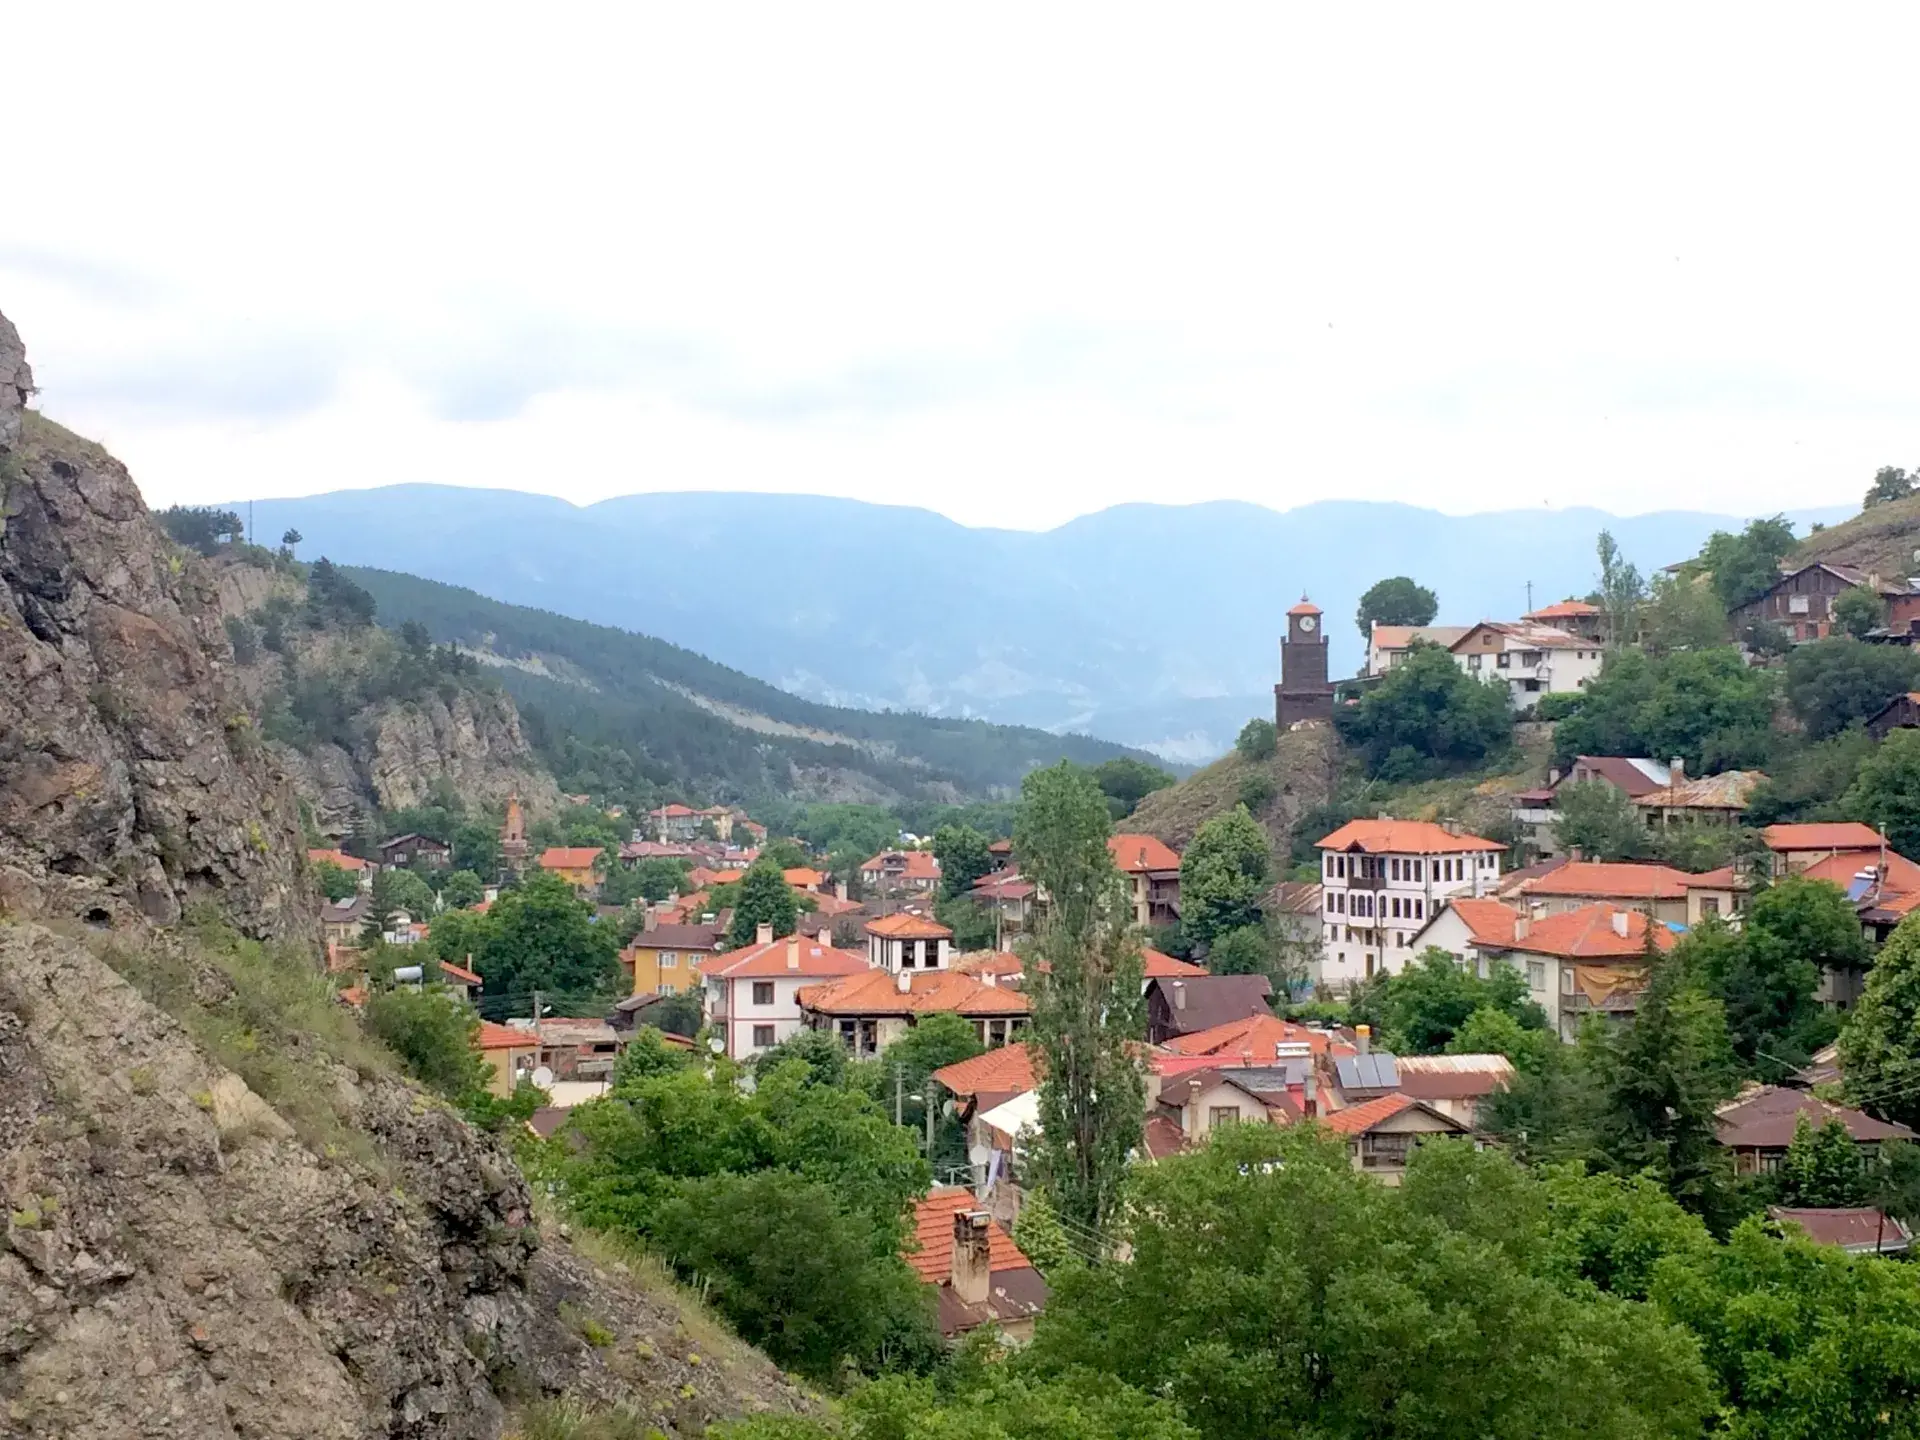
column 1147, row 624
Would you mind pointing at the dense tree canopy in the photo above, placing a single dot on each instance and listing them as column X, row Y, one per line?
column 1886, row 791
column 963, row 856
column 762, row 897
column 1832, row 684
column 1224, row 874
column 1705, row 706
column 1126, row 782
column 1600, row 821
column 1395, row 601
column 1890, row 482
column 1427, row 717
column 541, row 936
column 1745, row 566
column 1880, row 1048
column 1258, row 740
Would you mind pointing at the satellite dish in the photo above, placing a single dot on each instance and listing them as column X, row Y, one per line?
column 949, row 1109
column 543, row 1077
column 980, row 1154
column 716, row 1044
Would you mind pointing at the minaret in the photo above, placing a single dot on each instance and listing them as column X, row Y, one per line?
column 1304, row 692
column 513, row 837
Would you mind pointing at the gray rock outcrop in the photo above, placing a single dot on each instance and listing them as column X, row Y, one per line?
column 131, row 781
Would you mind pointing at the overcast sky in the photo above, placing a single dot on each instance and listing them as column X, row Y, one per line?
column 1013, row 263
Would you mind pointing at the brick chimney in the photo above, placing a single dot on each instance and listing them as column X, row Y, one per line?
column 1621, row 919
column 1678, row 770
column 972, row 1272
column 1179, row 995
column 763, row 934
column 793, row 952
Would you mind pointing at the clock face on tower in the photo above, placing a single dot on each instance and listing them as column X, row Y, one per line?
column 1306, row 622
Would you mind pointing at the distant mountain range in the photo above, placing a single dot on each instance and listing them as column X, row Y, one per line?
column 1151, row 625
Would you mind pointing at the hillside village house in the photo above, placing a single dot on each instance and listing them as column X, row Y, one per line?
column 667, row 959
column 343, row 921
column 1669, row 895
column 980, row 1277
column 407, row 850
column 1531, row 660
column 1900, row 713
column 361, row 871
column 909, row 975
column 1185, row 1005
column 1153, row 877
column 1388, row 645
column 1590, row 960
column 752, row 995
column 1711, row 799
column 1576, row 617
column 676, row 822
column 1758, row 1126
column 511, row 1056
column 1381, row 881
column 1796, row 848
column 1801, row 600
column 578, row 865
column 1381, row 1134
column 1011, row 899
column 893, row 870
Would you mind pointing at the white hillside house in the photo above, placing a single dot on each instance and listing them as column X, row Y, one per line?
column 1530, row 660
column 1381, row 881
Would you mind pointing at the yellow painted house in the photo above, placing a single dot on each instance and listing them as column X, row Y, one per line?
column 511, row 1055
column 667, row 959
column 575, row 864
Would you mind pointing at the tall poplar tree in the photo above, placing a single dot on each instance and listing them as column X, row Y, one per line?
column 1085, row 982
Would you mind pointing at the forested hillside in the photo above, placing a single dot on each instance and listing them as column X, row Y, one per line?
column 611, row 709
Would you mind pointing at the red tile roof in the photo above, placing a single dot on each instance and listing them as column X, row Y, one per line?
column 1403, row 837
column 1154, row 965
column 1002, row 964
column 1488, row 921
column 1588, row 934
column 460, row 973
column 570, row 857
column 1007, row 1070
column 905, row 926
column 1305, row 607
column 502, row 1037
column 932, row 1255
column 914, row 864
column 678, row 937
column 877, row 992
column 790, row 956
column 1611, row 881
column 1256, row 1035
column 1160, row 1137
column 1843, row 835
column 1902, row 875
column 1136, row 853
column 804, row 877
column 1563, row 610
column 336, row 857
column 1861, row 1229
column 1356, row 1119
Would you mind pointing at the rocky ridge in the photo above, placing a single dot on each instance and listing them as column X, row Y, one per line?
column 132, row 782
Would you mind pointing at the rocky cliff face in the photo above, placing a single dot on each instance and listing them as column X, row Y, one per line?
column 179, row 1262
column 471, row 740
column 130, row 779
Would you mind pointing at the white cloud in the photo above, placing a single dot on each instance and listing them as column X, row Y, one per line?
column 1012, row 263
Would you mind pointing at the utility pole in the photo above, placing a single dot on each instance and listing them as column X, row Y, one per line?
column 927, row 1085
column 1529, row 597
column 899, row 1096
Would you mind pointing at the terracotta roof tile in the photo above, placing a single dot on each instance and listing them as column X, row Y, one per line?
column 1610, row 881
column 1587, row 934
column 1356, row 1119
column 1766, row 1118
column 460, row 973
column 1488, row 922
column 570, row 857
column 789, row 956
column 1563, row 610
column 1009, row 1069
column 932, row 1255
column 336, row 857
column 1255, row 1034
column 1141, row 852
column 502, row 1037
column 1403, row 837
column 1843, row 835
column 912, row 864
column 877, row 992
column 906, row 926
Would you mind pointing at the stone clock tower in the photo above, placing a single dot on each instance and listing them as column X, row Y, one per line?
column 1304, row 692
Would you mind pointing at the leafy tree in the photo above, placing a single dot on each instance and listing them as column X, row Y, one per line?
column 336, row 884
column 290, row 539
column 1744, row 567
column 1683, row 613
column 1243, row 950
column 1256, row 791
column 1801, row 1339
column 1127, row 781
column 333, row 599
column 1395, row 601
column 1832, row 684
column 476, row 847
column 1886, row 791
column 1890, row 483
column 1822, row 1168
column 1491, row 1030
column 461, row 889
column 1705, row 706
column 1274, row 1290
column 962, row 853
column 1621, row 592
column 974, row 925
column 972, row 1400
column 1698, row 845
column 647, row 1056
column 795, row 1272
column 1425, row 1006
column 1042, row 1238
column 1858, row 610
column 395, row 890
column 433, row 1031
column 542, row 937
column 822, row 1053
column 787, row 853
column 937, row 1041
column 762, row 897
column 201, row 527
column 1880, row 1047
column 1613, row 1231
column 1600, row 821
column 1086, row 1000
column 1426, row 717
column 1807, row 781
column 1223, row 876
column 1258, row 740
column 657, row 877
column 1658, row 1081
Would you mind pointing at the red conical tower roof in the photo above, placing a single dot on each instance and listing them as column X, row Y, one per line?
column 1305, row 607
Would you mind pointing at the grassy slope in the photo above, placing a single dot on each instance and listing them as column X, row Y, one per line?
column 1882, row 539
column 636, row 686
column 1306, row 770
